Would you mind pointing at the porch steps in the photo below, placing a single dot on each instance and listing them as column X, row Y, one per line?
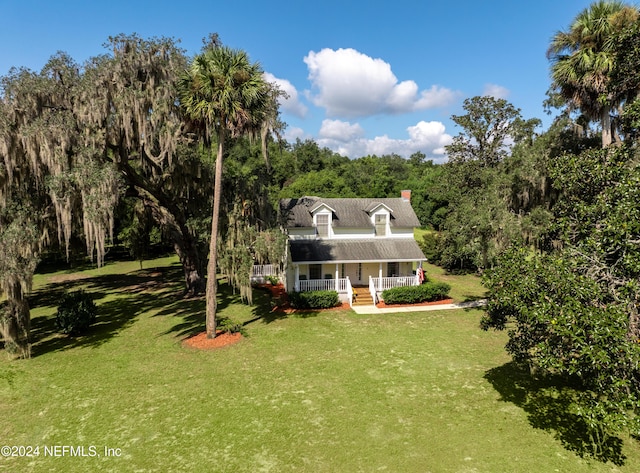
column 362, row 296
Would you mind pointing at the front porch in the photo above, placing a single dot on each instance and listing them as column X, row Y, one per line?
column 354, row 294
column 344, row 278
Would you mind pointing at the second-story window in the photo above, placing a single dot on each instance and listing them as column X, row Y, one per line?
column 322, row 225
column 381, row 225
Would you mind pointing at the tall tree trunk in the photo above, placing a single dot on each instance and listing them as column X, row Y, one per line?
column 15, row 327
column 607, row 136
column 184, row 244
column 186, row 249
column 212, row 282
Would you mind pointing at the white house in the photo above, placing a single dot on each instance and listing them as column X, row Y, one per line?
column 358, row 247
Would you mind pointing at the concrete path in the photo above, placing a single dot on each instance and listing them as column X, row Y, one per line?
column 371, row 309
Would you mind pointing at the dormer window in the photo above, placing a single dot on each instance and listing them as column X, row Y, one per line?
column 381, row 224
column 322, row 225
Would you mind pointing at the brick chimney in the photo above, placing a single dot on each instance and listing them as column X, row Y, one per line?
column 406, row 195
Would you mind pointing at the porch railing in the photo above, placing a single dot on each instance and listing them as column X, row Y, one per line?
column 349, row 291
column 305, row 285
column 262, row 270
column 381, row 284
column 372, row 290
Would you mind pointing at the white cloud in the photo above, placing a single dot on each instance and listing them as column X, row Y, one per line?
column 291, row 103
column 340, row 131
column 495, row 91
column 349, row 84
column 427, row 137
column 431, row 135
column 436, row 97
column 291, row 134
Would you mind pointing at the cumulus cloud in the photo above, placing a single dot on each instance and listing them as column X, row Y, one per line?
column 291, row 102
column 347, row 140
column 350, row 84
column 292, row 134
column 340, row 131
column 495, row 91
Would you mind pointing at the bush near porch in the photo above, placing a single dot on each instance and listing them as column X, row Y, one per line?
column 427, row 292
column 314, row 299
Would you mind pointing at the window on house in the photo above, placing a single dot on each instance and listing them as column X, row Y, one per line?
column 381, row 225
column 322, row 225
column 392, row 269
column 359, row 271
column 315, row 271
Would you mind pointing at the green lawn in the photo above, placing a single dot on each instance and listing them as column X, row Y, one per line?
column 324, row 392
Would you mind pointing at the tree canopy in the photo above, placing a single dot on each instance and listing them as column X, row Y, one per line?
column 583, row 58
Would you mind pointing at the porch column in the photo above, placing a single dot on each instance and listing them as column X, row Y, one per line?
column 337, row 276
column 380, row 277
column 297, row 278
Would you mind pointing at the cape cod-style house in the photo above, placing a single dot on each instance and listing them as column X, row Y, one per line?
column 358, row 247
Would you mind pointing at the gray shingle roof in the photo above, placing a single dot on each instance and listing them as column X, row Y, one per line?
column 351, row 213
column 365, row 250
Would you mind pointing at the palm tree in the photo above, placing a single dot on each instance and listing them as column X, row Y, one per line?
column 583, row 57
column 227, row 96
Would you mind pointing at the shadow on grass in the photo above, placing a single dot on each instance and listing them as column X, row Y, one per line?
column 473, row 298
column 126, row 297
column 547, row 402
column 121, row 298
column 192, row 311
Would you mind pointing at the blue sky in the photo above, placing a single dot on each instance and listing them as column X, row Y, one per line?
column 363, row 78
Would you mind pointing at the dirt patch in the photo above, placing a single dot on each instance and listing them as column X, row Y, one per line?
column 201, row 342
column 62, row 278
column 383, row 305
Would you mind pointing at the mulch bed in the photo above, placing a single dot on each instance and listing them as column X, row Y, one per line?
column 201, row 342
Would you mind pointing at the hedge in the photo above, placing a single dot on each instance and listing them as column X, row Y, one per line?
column 427, row 292
column 314, row 299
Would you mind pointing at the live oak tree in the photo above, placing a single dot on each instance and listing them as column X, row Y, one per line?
column 73, row 139
column 479, row 223
column 49, row 168
column 489, row 128
column 572, row 311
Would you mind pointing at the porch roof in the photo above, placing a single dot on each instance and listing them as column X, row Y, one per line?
column 355, row 251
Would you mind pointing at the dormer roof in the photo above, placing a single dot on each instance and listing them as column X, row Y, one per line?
column 348, row 213
column 320, row 205
column 375, row 206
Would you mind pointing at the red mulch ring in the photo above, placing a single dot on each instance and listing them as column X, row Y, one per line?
column 382, row 305
column 201, row 342
column 276, row 290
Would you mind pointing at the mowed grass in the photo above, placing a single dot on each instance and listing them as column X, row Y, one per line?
column 319, row 392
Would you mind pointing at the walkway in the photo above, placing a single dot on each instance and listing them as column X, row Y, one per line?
column 371, row 309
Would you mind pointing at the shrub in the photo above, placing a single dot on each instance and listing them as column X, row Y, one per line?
column 76, row 313
column 273, row 280
column 427, row 292
column 226, row 325
column 314, row 299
